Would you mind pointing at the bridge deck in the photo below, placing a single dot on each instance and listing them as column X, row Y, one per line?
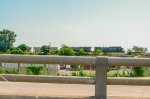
column 23, row 90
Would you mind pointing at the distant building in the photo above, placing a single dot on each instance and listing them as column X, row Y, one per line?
column 38, row 49
column 86, row 49
column 29, row 48
column 53, row 48
column 115, row 49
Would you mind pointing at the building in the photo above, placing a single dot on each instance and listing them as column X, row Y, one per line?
column 86, row 49
column 38, row 49
column 113, row 49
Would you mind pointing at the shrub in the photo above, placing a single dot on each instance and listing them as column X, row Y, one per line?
column 35, row 70
column 2, row 70
column 98, row 52
column 66, row 51
column 91, row 74
column 16, row 51
column 45, row 49
column 138, row 71
column 74, row 73
column 81, row 71
column 23, row 47
column 11, row 72
column 78, row 72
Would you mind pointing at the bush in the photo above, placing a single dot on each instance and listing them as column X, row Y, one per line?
column 16, row 51
column 74, row 73
column 81, row 71
column 92, row 74
column 2, row 70
column 98, row 52
column 23, row 47
column 138, row 71
column 78, row 72
column 35, row 70
column 66, row 51
column 11, row 72
column 45, row 49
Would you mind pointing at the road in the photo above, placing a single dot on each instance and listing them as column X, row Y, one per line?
column 68, row 91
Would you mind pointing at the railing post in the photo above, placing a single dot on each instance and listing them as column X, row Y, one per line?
column 101, row 78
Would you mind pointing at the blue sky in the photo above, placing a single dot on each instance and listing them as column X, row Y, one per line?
column 78, row 22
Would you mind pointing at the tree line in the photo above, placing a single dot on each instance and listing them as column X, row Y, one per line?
column 8, row 38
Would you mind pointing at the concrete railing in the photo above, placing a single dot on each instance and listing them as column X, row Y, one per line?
column 101, row 64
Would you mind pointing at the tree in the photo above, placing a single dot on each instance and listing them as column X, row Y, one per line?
column 7, row 38
column 23, row 47
column 98, row 52
column 137, row 50
column 81, row 51
column 17, row 51
column 66, row 51
column 45, row 49
column 129, row 51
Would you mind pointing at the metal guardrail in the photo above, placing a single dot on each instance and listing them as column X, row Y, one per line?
column 101, row 64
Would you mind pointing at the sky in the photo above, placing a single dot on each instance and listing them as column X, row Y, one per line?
column 78, row 22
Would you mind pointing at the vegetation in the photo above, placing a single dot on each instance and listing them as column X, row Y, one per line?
column 137, row 50
column 16, row 51
column 138, row 71
column 98, row 52
column 35, row 70
column 66, row 51
column 38, row 70
column 45, row 49
column 11, row 72
column 29, row 70
column 23, row 47
column 7, row 38
column 2, row 70
column 81, row 52
column 79, row 72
